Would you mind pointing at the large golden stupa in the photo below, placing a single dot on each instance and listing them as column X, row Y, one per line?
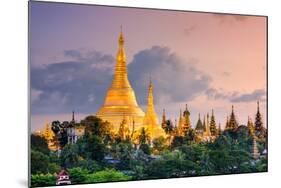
column 120, row 102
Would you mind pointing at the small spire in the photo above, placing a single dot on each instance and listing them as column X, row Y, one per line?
column 232, row 108
column 258, row 106
column 163, row 111
column 186, row 107
column 199, row 115
column 73, row 116
column 150, row 81
column 121, row 38
column 212, row 112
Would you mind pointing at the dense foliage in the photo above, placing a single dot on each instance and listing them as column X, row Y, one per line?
column 101, row 156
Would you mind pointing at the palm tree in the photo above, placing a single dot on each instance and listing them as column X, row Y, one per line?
column 169, row 129
column 144, row 137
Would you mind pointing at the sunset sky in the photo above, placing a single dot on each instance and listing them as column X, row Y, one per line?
column 203, row 60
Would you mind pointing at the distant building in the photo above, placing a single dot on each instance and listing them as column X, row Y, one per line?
column 74, row 131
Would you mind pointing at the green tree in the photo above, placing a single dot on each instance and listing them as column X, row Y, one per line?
column 171, row 164
column 143, row 137
column 95, row 149
column 39, row 143
column 78, row 175
column 108, row 175
column 95, row 126
column 177, row 141
column 39, row 180
column 39, row 162
column 123, row 151
column 60, row 131
column 190, row 136
column 145, row 148
column 158, row 145
column 90, row 165
column 69, row 156
column 169, row 130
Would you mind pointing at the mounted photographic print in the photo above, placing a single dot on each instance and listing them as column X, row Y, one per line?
column 130, row 94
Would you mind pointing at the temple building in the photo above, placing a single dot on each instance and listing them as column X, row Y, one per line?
column 260, row 130
column 213, row 127
column 186, row 124
column 207, row 132
column 199, row 129
column 120, row 101
column 74, row 131
column 180, row 123
column 232, row 123
column 150, row 120
column 251, row 127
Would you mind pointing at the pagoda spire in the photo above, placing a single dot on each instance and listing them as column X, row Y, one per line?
column 260, row 131
column 213, row 127
column 219, row 130
column 151, row 118
column 150, row 96
column 204, row 123
column 121, row 77
column 73, row 119
column 227, row 123
column 250, row 126
column 199, row 129
column 180, row 122
column 232, row 124
column 208, row 131
column 163, row 124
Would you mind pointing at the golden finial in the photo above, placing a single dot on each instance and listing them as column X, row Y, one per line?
column 121, row 38
column 150, row 81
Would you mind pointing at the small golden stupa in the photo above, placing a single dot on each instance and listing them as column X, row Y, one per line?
column 150, row 120
column 120, row 101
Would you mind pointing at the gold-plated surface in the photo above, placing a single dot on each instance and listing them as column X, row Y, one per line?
column 120, row 101
column 150, row 120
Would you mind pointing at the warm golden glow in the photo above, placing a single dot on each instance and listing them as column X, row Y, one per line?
column 151, row 121
column 120, row 101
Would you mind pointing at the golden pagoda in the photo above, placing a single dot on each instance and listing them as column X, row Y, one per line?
column 251, row 127
column 150, row 120
column 120, row 101
column 48, row 134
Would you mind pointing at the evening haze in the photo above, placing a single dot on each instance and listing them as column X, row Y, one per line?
column 207, row 61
